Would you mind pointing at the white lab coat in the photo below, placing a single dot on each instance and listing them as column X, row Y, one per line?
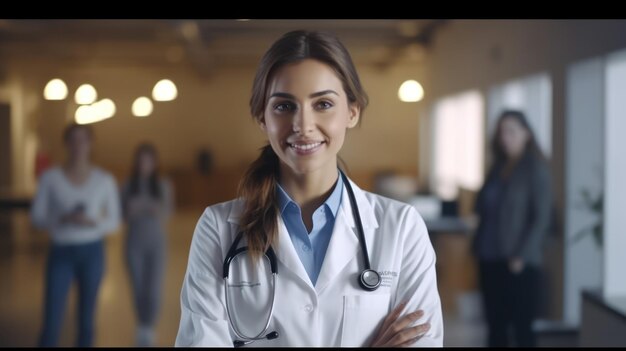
column 334, row 312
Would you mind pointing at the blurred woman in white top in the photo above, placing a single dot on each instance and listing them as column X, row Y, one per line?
column 77, row 203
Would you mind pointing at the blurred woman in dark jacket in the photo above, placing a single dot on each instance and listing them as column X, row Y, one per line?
column 514, row 207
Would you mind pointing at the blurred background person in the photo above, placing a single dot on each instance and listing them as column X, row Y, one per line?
column 77, row 204
column 147, row 204
column 514, row 207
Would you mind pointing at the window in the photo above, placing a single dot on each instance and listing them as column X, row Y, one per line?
column 458, row 135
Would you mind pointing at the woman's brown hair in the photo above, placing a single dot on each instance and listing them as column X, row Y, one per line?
column 259, row 221
column 532, row 148
column 153, row 179
column 72, row 127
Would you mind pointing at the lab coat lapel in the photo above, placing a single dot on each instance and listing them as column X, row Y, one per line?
column 287, row 254
column 342, row 248
column 344, row 242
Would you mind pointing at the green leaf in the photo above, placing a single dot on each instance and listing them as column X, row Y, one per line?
column 580, row 234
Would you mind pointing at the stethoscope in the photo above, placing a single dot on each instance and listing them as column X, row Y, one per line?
column 369, row 279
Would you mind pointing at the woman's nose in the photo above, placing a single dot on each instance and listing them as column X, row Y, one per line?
column 303, row 121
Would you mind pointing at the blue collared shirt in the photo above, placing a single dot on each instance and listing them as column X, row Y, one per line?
column 311, row 247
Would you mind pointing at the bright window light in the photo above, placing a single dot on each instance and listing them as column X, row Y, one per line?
column 458, row 144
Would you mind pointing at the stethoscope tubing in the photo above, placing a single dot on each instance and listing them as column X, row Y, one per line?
column 271, row 257
column 240, row 334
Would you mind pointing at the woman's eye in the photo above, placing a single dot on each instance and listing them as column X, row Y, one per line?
column 324, row 105
column 284, row 107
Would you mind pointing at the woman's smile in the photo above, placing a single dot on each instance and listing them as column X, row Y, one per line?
column 303, row 148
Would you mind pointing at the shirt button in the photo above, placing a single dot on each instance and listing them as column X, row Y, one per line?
column 305, row 248
column 308, row 308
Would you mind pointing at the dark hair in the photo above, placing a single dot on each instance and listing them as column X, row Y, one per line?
column 258, row 186
column 153, row 179
column 72, row 127
column 532, row 148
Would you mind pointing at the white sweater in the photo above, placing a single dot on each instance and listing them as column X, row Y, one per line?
column 56, row 197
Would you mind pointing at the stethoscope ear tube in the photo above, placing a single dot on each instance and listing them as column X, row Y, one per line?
column 369, row 279
column 232, row 252
column 271, row 255
column 357, row 220
column 240, row 343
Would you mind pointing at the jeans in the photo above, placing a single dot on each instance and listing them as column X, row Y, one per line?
column 85, row 263
column 146, row 263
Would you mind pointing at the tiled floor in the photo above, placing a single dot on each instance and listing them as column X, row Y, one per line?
column 22, row 260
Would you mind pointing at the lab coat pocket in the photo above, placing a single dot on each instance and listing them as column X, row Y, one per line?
column 362, row 317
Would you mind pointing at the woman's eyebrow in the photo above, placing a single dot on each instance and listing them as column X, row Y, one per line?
column 316, row 94
column 323, row 92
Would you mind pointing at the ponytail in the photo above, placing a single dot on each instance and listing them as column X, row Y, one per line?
column 258, row 189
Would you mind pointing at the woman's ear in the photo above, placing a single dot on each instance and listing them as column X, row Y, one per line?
column 261, row 122
column 355, row 114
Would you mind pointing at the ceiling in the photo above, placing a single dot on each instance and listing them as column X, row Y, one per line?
column 203, row 44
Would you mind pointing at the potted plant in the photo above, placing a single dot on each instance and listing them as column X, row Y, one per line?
column 595, row 206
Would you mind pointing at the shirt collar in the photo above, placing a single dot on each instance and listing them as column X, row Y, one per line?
column 332, row 203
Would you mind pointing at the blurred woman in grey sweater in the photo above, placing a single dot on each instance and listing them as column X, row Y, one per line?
column 147, row 204
column 514, row 206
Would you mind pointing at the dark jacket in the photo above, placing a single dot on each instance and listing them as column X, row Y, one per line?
column 523, row 218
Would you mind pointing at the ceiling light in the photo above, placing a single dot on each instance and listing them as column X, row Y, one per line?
column 55, row 90
column 142, row 107
column 164, row 90
column 85, row 94
column 411, row 91
column 95, row 112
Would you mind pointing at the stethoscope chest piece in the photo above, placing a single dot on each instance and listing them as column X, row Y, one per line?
column 369, row 280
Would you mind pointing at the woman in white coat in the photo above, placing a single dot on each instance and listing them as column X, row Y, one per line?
column 295, row 206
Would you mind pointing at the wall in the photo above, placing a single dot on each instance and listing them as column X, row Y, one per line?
column 615, row 173
column 23, row 140
column 584, row 162
column 5, row 147
column 210, row 113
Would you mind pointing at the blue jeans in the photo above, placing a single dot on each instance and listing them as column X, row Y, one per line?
column 146, row 263
column 85, row 263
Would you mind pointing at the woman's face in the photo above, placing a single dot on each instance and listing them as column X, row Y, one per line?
column 78, row 144
column 306, row 115
column 513, row 137
column 146, row 164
